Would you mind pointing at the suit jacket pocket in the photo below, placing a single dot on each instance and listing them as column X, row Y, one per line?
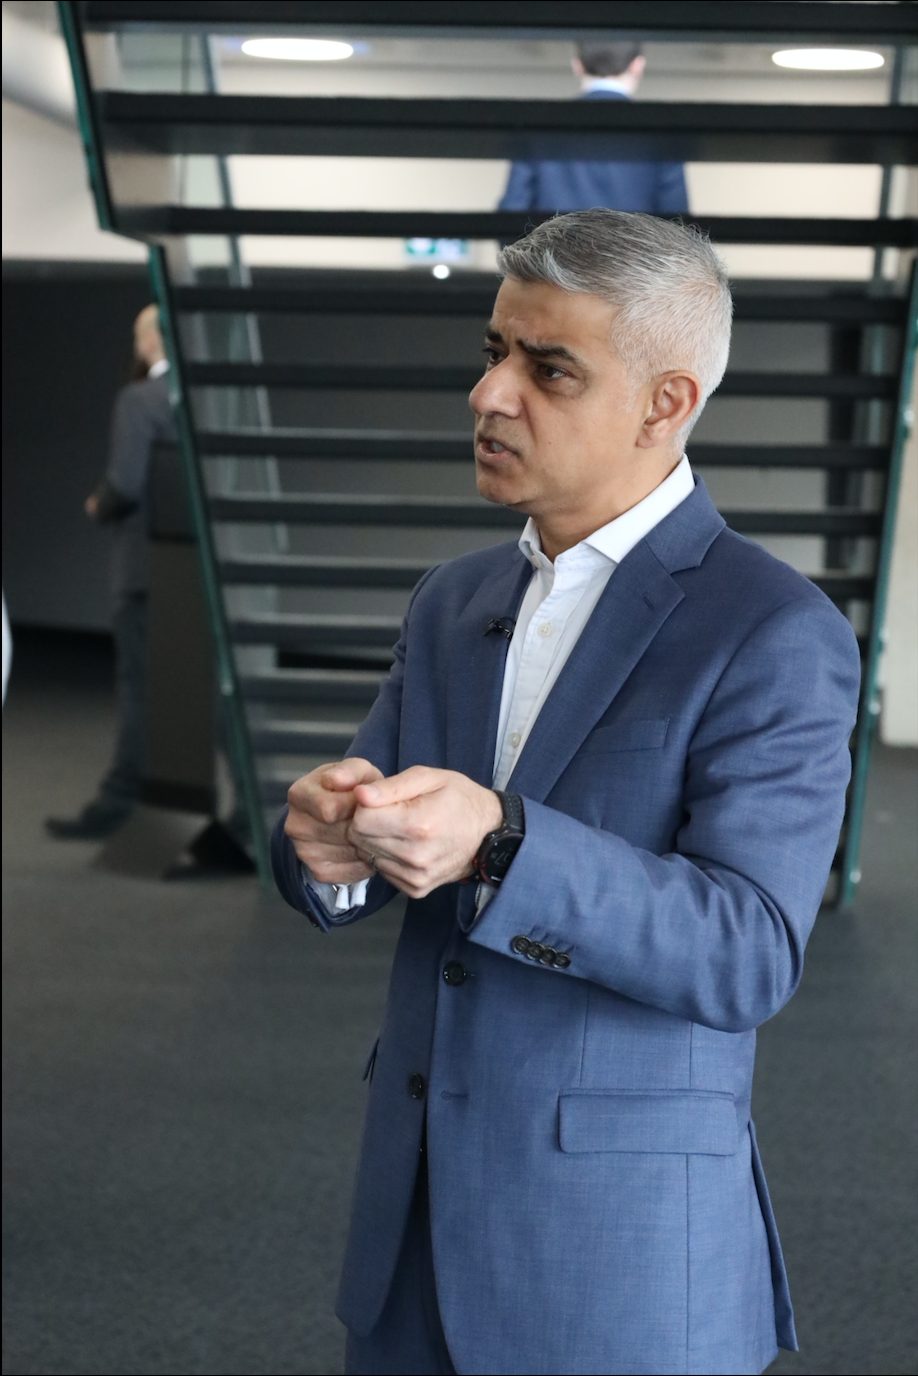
column 646, row 733
column 683, row 1121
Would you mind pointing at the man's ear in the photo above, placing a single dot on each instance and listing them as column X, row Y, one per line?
column 674, row 399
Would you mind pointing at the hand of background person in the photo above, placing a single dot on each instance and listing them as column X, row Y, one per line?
column 321, row 806
column 422, row 828
column 91, row 505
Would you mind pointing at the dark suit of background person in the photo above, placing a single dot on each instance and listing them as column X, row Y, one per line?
column 608, row 72
column 142, row 418
column 574, row 1057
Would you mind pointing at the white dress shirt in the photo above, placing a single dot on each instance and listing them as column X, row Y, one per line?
column 556, row 607
column 606, row 83
column 558, row 604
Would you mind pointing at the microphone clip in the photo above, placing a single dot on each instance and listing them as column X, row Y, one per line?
column 504, row 624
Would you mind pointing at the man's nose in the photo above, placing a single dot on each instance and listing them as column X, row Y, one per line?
column 496, row 392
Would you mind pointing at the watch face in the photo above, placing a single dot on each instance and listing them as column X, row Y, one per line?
column 500, row 855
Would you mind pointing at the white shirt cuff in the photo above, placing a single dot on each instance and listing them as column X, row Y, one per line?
column 337, row 898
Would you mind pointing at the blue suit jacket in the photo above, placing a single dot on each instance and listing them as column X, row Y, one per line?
column 597, row 1200
column 657, row 188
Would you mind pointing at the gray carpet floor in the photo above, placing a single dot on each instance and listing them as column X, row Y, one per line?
column 183, row 1093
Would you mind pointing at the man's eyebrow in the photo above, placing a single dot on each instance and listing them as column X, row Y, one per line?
column 536, row 350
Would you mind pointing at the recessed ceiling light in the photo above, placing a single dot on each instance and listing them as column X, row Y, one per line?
column 297, row 49
column 441, row 272
column 828, row 59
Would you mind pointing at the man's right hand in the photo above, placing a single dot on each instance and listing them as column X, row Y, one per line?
column 321, row 805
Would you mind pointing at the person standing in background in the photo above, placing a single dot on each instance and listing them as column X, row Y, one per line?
column 607, row 71
column 142, row 418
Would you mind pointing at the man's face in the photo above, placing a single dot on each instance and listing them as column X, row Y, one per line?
column 555, row 415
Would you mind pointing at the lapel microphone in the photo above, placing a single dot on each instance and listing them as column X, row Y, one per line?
column 505, row 624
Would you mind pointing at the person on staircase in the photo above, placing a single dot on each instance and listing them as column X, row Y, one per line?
column 607, row 71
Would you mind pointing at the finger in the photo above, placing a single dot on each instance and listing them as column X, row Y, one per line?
column 389, row 828
column 308, row 800
column 342, row 777
column 329, row 872
column 310, row 849
column 405, row 878
column 311, row 825
column 400, row 788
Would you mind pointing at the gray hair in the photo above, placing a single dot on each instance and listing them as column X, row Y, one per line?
column 669, row 288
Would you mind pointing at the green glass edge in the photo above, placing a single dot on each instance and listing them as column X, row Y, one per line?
column 227, row 679
column 869, row 705
column 87, row 117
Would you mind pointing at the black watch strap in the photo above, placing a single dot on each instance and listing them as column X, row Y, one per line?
column 512, row 804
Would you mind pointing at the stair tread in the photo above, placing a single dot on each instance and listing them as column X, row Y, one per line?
column 840, row 231
column 369, row 126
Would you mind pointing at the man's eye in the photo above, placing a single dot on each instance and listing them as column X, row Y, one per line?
column 491, row 354
column 550, row 373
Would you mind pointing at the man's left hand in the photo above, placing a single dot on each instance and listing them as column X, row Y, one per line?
column 422, row 828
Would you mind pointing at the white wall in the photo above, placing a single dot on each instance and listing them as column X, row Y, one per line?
column 48, row 211
column 899, row 669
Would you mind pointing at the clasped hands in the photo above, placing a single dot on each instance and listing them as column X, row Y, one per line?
column 419, row 829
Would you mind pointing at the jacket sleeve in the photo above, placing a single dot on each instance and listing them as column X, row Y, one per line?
column 715, row 930
column 132, row 436
column 377, row 741
column 111, row 505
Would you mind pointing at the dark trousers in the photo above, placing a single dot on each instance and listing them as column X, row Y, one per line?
column 122, row 781
column 408, row 1339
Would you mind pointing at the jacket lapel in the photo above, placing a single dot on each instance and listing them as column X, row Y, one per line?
column 477, row 670
column 639, row 597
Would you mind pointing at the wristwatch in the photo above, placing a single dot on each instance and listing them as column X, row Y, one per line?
column 497, row 850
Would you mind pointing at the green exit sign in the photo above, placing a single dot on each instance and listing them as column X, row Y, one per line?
column 437, row 250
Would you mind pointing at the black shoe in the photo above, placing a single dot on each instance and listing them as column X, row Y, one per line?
column 98, row 819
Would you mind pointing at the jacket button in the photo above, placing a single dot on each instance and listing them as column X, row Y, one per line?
column 416, row 1086
column 520, row 944
column 560, row 960
column 455, row 973
column 536, row 950
column 548, row 956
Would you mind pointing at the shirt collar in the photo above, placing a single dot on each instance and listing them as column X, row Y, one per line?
column 618, row 537
column 607, row 83
column 158, row 368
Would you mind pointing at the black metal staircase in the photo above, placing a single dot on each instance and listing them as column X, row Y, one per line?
column 361, row 502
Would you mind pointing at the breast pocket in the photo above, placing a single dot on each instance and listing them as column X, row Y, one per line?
column 645, row 733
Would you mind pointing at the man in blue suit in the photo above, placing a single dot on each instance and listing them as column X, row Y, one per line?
column 608, row 770
column 607, row 71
